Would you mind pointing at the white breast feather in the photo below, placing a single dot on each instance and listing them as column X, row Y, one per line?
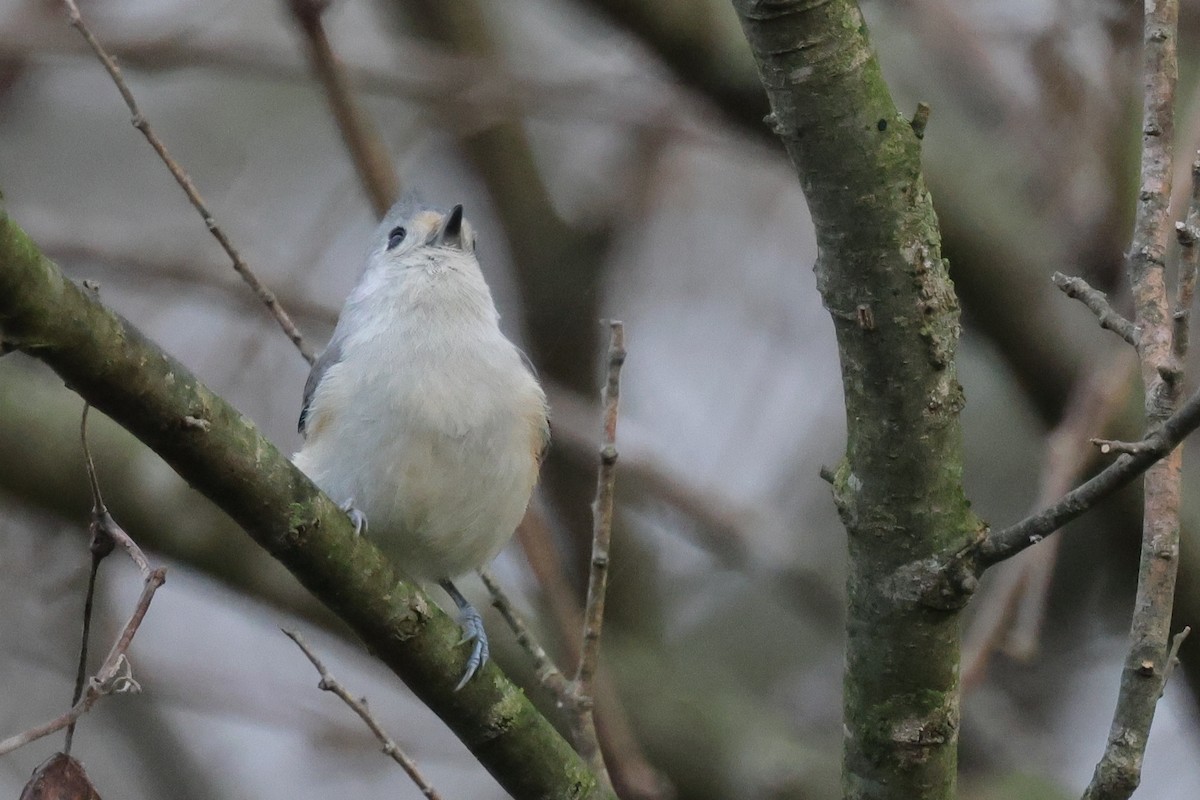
column 442, row 455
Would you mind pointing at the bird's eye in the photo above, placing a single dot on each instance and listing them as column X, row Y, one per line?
column 396, row 237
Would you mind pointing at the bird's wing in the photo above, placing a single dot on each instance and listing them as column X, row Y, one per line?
column 331, row 355
column 541, row 427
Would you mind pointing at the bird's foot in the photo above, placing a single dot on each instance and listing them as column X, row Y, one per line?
column 473, row 631
column 357, row 517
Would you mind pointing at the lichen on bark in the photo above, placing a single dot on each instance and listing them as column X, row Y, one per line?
column 899, row 490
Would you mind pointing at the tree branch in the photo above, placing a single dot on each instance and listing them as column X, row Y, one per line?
column 108, row 362
column 115, row 675
column 328, row 683
column 1187, row 233
column 372, row 162
column 1097, row 303
column 264, row 294
column 1007, row 542
column 583, row 686
column 1012, row 611
column 1148, row 661
column 899, row 488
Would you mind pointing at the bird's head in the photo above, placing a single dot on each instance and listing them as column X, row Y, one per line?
column 410, row 227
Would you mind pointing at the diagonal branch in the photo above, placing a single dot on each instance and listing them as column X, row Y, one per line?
column 391, row 749
column 222, row 455
column 1007, row 542
column 1097, row 303
column 372, row 162
column 260, row 289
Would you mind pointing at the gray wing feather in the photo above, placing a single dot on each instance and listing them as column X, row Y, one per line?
column 331, row 355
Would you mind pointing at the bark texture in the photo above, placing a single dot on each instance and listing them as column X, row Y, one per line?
column 886, row 286
column 1147, row 663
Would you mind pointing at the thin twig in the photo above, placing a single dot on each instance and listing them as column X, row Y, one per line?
column 101, row 519
column 1007, row 542
column 329, row 683
column 623, row 755
column 181, row 177
column 1097, row 303
column 1107, row 446
column 1187, row 233
column 627, row 764
column 1173, row 656
column 602, row 517
column 578, row 695
column 372, row 162
column 113, row 677
column 101, row 546
column 548, row 674
column 1011, row 615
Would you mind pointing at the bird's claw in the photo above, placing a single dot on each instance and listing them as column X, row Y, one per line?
column 357, row 517
column 472, row 625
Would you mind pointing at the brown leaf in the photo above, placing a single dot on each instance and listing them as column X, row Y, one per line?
column 60, row 777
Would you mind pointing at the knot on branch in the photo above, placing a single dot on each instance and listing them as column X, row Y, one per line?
column 119, row 681
column 920, row 119
column 1186, row 234
column 845, row 484
column 923, row 735
column 942, row 585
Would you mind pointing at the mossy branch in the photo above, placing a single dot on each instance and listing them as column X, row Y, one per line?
column 899, row 490
column 225, row 457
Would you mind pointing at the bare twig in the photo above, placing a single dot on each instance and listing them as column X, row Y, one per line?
column 1147, row 663
column 602, row 511
column 1173, row 656
column 371, row 159
column 1107, row 446
column 627, row 764
column 1097, row 303
column 265, row 295
column 113, row 677
column 1189, row 258
column 548, row 674
column 102, row 521
column 578, row 695
column 1007, row 542
column 101, row 545
column 329, row 683
column 635, row 776
column 1011, row 616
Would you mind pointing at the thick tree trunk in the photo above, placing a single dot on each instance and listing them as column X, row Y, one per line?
column 899, row 489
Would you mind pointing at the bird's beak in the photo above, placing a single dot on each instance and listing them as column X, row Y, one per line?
column 450, row 234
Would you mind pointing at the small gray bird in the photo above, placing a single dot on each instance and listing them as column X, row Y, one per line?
column 420, row 416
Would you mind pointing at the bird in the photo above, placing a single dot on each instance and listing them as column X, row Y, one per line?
column 420, row 418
